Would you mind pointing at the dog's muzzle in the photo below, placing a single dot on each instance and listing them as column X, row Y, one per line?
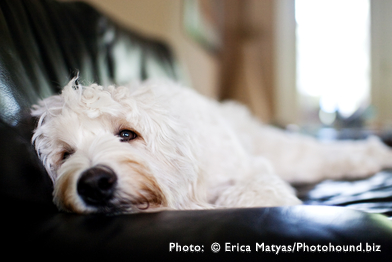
column 96, row 185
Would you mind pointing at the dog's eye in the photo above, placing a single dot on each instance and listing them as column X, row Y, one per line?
column 127, row 135
column 66, row 154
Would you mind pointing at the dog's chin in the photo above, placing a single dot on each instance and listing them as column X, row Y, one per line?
column 114, row 207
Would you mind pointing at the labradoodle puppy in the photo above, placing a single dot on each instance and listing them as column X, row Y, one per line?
column 157, row 145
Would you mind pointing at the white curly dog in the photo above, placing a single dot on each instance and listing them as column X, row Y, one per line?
column 157, row 145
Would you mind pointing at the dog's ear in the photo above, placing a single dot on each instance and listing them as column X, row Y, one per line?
column 54, row 104
column 48, row 106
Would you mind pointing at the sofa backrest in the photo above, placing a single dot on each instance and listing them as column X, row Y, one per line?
column 43, row 44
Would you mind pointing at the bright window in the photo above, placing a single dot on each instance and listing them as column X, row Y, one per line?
column 333, row 56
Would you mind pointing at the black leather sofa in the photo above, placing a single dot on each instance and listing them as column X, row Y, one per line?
column 42, row 45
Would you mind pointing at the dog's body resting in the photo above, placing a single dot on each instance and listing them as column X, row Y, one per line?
column 158, row 145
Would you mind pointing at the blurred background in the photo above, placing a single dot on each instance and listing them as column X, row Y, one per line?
column 322, row 67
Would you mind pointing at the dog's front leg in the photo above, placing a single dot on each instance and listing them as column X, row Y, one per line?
column 265, row 190
column 256, row 186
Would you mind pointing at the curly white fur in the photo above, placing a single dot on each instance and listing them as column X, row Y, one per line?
column 191, row 152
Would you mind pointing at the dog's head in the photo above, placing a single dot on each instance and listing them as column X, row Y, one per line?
column 114, row 150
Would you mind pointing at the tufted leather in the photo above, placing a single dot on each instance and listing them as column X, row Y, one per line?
column 42, row 45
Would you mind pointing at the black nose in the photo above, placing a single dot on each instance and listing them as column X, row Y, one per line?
column 96, row 185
